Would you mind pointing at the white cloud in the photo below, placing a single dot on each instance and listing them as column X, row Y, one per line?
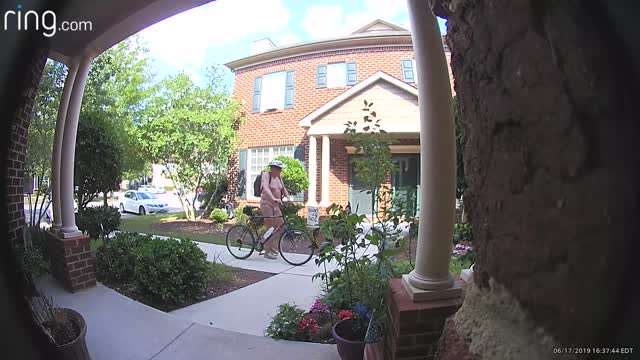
column 183, row 40
column 285, row 39
column 328, row 21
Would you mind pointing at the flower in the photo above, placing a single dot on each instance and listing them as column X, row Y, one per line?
column 319, row 307
column 345, row 314
column 461, row 249
column 308, row 324
column 360, row 309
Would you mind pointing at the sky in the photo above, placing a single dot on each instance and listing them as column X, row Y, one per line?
column 224, row 30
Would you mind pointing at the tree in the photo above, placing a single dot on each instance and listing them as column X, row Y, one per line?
column 98, row 160
column 189, row 130
column 294, row 176
column 461, row 184
column 117, row 88
column 42, row 131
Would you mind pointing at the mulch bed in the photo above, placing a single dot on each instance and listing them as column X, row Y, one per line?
column 239, row 279
column 198, row 227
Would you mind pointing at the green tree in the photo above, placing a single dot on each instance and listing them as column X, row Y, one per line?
column 117, row 88
column 189, row 130
column 42, row 131
column 461, row 184
column 98, row 160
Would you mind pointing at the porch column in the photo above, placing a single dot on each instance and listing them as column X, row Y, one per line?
column 326, row 162
column 313, row 174
column 431, row 279
column 57, row 144
column 69, row 228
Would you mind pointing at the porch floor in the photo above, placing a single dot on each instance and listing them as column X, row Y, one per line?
column 121, row 328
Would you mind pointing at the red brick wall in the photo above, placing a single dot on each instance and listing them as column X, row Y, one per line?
column 282, row 127
column 16, row 156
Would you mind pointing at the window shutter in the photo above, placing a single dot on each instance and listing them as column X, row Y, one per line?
column 407, row 70
column 321, row 76
column 257, row 87
column 289, row 90
column 242, row 174
column 299, row 155
column 352, row 73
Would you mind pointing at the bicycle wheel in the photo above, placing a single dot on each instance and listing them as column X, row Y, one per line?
column 296, row 247
column 240, row 241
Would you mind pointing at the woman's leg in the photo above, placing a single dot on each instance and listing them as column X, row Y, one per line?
column 269, row 221
column 277, row 224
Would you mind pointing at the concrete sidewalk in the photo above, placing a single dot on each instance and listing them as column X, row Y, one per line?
column 121, row 328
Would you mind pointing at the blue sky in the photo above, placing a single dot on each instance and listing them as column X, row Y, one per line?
column 224, row 30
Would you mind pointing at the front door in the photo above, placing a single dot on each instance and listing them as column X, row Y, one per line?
column 406, row 181
column 360, row 196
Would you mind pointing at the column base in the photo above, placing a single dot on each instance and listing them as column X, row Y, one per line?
column 70, row 234
column 417, row 295
column 72, row 262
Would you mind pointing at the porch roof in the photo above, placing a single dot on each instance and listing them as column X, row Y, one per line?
column 112, row 21
column 395, row 102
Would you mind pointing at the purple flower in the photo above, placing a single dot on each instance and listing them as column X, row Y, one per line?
column 319, row 307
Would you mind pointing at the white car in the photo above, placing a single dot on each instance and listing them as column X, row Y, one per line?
column 142, row 202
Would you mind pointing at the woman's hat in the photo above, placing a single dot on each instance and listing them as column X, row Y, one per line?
column 277, row 163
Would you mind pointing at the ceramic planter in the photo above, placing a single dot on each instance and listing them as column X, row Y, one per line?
column 347, row 349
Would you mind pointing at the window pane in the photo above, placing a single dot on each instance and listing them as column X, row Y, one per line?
column 415, row 71
column 273, row 87
column 336, row 75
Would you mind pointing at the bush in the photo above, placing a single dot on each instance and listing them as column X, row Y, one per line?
column 290, row 212
column 240, row 217
column 284, row 325
column 32, row 261
column 214, row 188
column 93, row 217
column 162, row 273
column 462, row 232
column 219, row 215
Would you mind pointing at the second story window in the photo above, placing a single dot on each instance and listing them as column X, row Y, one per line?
column 336, row 75
column 274, row 91
column 409, row 71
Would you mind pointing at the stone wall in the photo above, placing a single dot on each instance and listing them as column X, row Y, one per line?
column 545, row 92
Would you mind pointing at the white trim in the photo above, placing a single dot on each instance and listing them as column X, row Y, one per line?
column 361, row 86
column 395, row 149
column 391, row 26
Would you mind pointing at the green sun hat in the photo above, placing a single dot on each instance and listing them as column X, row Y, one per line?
column 277, row 163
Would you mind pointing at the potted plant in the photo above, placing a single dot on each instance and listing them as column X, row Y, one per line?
column 65, row 328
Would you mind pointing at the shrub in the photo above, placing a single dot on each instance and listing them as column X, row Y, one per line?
column 240, row 217
column 219, row 215
column 32, row 261
column 462, row 232
column 284, row 325
column 162, row 273
column 215, row 188
column 93, row 217
column 290, row 212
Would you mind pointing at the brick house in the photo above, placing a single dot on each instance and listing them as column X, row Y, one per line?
column 296, row 100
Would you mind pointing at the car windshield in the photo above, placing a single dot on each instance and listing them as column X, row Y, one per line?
column 146, row 196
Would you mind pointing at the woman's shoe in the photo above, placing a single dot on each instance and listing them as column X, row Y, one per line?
column 270, row 255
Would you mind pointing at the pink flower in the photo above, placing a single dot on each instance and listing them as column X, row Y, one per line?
column 319, row 307
column 308, row 324
column 345, row 314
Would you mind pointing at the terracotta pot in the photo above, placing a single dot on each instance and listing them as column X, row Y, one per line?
column 77, row 349
column 347, row 349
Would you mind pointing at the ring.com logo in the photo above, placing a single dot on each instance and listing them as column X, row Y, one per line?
column 47, row 21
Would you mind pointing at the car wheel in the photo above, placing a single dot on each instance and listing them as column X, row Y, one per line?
column 122, row 208
column 142, row 211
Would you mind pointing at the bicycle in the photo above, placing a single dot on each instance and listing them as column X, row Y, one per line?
column 295, row 246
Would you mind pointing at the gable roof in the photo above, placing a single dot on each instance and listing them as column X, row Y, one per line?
column 380, row 25
column 355, row 90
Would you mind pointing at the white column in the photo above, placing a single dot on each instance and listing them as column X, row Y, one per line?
column 313, row 171
column 431, row 278
column 57, row 144
column 69, row 228
column 326, row 162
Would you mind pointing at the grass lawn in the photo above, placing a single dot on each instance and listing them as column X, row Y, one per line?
column 149, row 224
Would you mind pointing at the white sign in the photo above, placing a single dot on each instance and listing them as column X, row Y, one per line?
column 313, row 216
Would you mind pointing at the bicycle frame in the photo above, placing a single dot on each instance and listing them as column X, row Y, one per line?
column 260, row 237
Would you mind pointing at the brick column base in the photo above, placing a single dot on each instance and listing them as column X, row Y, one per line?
column 414, row 328
column 72, row 262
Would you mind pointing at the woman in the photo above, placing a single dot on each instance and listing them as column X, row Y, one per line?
column 273, row 191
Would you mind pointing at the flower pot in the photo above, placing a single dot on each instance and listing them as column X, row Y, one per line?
column 348, row 349
column 76, row 349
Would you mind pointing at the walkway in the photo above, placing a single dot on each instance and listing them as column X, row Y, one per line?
column 121, row 328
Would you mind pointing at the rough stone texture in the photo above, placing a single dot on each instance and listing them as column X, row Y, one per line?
column 551, row 160
column 413, row 328
column 16, row 156
column 72, row 262
column 452, row 345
